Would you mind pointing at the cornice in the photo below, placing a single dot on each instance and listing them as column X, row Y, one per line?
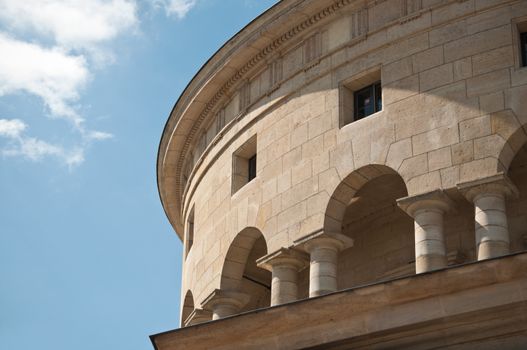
column 196, row 111
column 242, row 72
column 231, row 82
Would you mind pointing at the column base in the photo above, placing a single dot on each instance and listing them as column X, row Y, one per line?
column 492, row 249
column 427, row 263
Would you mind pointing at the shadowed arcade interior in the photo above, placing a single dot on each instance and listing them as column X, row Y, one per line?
column 382, row 233
column 188, row 307
column 240, row 272
column 517, row 207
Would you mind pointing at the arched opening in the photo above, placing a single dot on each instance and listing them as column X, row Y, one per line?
column 240, row 272
column 517, row 207
column 364, row 208
column 188, row 307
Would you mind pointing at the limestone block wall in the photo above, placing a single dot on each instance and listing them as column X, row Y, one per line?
column 454, row 110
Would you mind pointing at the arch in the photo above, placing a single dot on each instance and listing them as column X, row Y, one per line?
column 240, row 272
column 188, row 307
column 513, row 144
column 516, row 207
column 364, row 208
column 346, row 190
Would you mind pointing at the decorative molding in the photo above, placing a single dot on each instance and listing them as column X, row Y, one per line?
column 268, row 55
column 312, row 49
column 269, row 49
column 410, row 10
column 245, row 96
column 276, row 71
column 359, row 24
column 411, row 6
column 220, row 120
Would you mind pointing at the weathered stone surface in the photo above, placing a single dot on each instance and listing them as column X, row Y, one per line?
column 453, row 110
column 436, row 77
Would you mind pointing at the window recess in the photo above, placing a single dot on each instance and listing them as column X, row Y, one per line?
column 360, row 97
column 244, row 164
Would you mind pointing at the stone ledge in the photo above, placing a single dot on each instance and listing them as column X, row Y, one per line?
column 399, row 307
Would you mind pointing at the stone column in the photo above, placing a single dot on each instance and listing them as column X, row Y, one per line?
column 198, row 316
column 225, row 303
column 284, row 265
column 491, row 227
column 427, row 210
column 323, row 249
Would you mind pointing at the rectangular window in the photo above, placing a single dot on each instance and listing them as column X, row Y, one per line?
column 189, row 239
column 190, row 234
column 252, row 168
column 367, row 101
column 523, row 43
column 244, row 164
column 360, row 96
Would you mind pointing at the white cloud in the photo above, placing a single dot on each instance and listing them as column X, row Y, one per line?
column 71, row 23
column 179, row 8
column 51, row 74
column 35, row 150
column 11, row 128
column 98, row 135
column 32, row 148
column 68, row 37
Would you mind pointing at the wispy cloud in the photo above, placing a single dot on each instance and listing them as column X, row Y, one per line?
column 178, row 8
column 12, row 128
column 50, row 50
column 19, row 144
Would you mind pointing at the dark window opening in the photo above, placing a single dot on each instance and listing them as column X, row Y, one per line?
column 190, row 232
column 523, row 40
column 252, row 168
column 367, row 101
column 244, row 164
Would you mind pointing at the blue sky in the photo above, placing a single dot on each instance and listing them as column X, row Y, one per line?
column 87, row 257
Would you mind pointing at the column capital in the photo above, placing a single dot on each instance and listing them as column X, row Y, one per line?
column 495, row 184
column 334, row 240
column 436, row 199
column 198, row 316
column 284, row 257
column 225, row 297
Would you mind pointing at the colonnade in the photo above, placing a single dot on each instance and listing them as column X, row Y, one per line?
column 320, row 250
column 490, row 219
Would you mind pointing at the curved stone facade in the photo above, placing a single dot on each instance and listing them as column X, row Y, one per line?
column 435, row 177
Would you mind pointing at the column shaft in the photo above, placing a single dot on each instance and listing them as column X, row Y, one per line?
column 284, row 285
column 323, row 269
column 430, row 251
column 284, row 265
column 492, row 232
column 491, row 228
column 428, row 210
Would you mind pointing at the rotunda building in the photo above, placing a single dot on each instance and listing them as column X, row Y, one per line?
column 351, row 174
